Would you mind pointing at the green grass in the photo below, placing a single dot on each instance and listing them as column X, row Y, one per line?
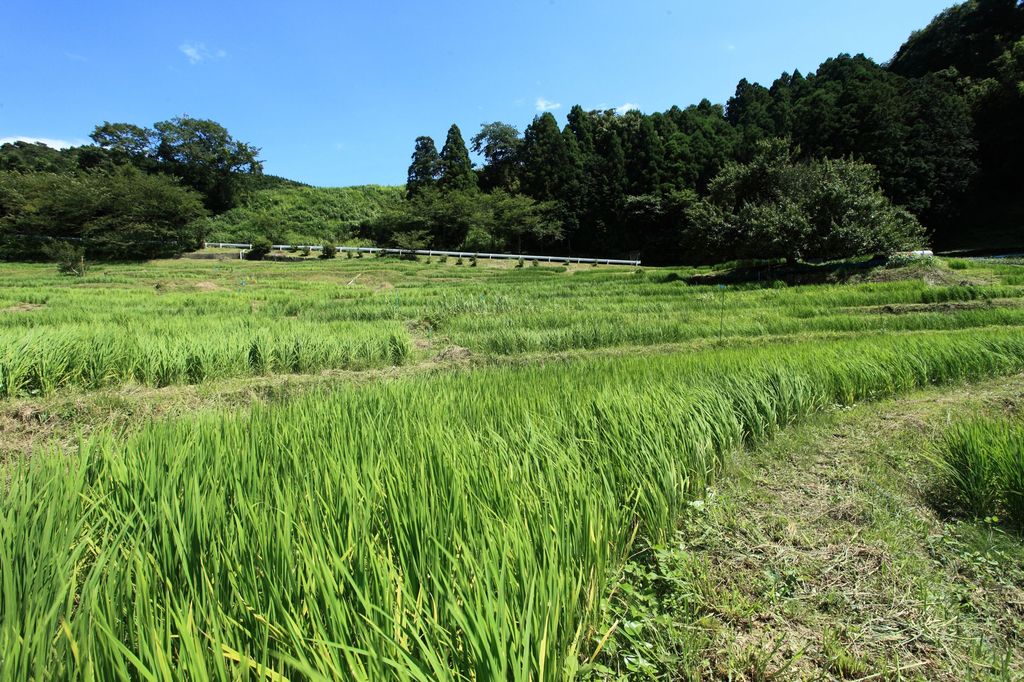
column 303, row 215
column 452, row 526
column 817, row 556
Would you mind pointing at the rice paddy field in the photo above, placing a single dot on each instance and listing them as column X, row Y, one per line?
column 457, row 495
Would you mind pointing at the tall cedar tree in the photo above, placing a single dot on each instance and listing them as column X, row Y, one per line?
column 456, row 170
column 546, row 160
column 425, row 167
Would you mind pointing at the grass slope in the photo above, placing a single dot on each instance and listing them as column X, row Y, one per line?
column 302, row 215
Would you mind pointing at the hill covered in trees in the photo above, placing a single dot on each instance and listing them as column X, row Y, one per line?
column 936, row 132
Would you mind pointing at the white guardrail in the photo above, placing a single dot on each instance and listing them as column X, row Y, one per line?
column 422, row 252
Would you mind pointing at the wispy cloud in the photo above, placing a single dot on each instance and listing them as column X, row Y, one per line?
column 198, row 52
column 628, row 106
column 547, row 105
column 48, row 141
column 75, row 57
column 730, row 47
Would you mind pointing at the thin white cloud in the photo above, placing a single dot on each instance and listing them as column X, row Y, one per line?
column 730, row 47
column 75, row 57
column 197, row 52
column 628, row 106
column 547, row 105
column 48, row 141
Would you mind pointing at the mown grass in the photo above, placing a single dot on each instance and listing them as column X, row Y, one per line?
column 459, row 526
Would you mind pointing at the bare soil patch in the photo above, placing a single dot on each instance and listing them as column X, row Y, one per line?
column 21, row 308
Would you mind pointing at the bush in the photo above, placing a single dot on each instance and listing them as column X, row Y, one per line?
column 958, row 264
column 70, row 259
column 260, row 249
column 304, row 252
column 328, row 250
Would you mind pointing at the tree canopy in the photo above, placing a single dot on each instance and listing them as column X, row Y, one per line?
column 122, row 214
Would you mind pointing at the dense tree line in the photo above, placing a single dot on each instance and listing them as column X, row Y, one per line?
column 134, row 193
column 924, row 140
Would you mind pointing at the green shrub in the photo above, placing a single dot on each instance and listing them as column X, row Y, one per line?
column 957, row 264
column 70, row 258
column 260, row 249
column 328, row 251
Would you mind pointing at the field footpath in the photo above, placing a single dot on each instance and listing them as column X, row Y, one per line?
column 818, row 556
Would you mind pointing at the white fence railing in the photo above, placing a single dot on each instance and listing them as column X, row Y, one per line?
column 430, row 252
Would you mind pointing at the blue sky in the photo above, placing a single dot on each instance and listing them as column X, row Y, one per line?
column 335, row 92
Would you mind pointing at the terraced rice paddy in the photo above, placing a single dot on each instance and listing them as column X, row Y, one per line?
column 459, row 523
column 187, row 322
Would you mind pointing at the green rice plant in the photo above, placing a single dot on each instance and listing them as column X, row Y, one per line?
column 981, row 468
column 434, row 527
column 1012, row 471
column 128, row 311
column 969, row 466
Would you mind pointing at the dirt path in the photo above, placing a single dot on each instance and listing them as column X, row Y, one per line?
column 819, row 557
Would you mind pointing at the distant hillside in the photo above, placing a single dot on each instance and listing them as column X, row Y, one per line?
column 980, row 44
column 296, row 214
column 969, row 37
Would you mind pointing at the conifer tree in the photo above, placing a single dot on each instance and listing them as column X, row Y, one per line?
column 545, row 159
column 456, row 170
column 423, row 170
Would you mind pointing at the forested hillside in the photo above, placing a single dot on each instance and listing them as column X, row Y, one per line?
column 937, row 131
